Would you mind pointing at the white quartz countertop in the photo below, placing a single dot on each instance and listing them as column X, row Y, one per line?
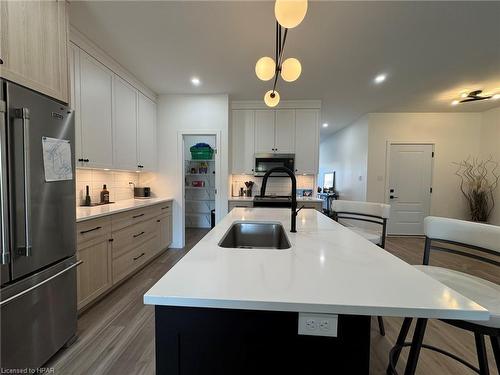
column 299, row 199
column 328, row 269
column 87, row 213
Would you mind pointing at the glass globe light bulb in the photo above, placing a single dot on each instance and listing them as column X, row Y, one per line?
column 265, row 68
column 272, row 98
column 291, row 69
column 290, row 13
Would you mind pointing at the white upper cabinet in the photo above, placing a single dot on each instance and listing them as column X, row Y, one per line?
column 284, row 140
column 242, row 141
column 124, row 125
column 96, row 113
column 275, row 131
column 115, row 124
column 264, row 131
column 306, row 141
column 146, row 131
column 74, row 100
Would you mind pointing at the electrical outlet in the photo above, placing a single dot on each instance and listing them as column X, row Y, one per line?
column 318, row 324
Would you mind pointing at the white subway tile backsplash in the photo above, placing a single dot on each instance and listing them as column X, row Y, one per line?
column 117, row 182
column 275, row 185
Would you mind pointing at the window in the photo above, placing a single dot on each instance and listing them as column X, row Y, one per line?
column 328, row 180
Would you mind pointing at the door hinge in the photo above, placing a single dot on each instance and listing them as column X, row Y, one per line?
column 215, row 150
column 430, row 190
column 432, row 153
column 215, row 191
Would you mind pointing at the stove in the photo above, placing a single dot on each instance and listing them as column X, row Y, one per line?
column 272, row 201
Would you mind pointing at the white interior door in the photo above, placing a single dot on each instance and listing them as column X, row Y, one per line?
column 410, row 178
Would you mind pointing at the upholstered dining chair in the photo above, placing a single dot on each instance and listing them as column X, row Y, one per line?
column 376, row 214
column 464, row 239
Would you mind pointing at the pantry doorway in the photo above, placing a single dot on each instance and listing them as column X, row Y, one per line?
column 200, row 181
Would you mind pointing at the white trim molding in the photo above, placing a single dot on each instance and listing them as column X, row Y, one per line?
column 289, row 104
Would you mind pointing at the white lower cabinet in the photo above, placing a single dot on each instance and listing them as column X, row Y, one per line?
column 112, row 248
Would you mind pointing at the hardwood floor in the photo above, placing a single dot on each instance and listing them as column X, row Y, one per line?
column 116, row 336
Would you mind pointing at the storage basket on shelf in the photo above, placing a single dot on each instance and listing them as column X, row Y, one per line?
column 201, row 151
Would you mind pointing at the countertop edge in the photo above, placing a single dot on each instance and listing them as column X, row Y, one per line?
column 479, row 315
column 123, row 209
column 251, row 199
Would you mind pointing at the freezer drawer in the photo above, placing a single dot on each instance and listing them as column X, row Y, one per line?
column 36, row 324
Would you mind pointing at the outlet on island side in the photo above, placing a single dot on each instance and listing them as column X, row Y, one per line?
column 318, row 324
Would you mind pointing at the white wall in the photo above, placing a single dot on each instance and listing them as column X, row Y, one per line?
column 455, row 135
column 490, row 146
column 177, row 113
column 346, row 152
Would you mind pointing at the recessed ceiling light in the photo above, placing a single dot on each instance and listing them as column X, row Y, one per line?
column 325, row 125
column 455, row 102
column 195, row 81
column 380, row 78
column 495, row 97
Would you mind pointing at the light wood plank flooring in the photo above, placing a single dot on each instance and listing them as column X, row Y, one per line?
column 116, row 336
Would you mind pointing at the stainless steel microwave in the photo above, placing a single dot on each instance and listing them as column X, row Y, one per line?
column 265, row 162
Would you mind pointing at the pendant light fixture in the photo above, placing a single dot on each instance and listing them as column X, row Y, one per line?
column 289, row 14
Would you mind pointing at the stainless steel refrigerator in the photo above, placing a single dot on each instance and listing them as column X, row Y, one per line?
column 38, row 246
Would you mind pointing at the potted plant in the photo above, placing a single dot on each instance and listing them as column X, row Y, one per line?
column 478, row 181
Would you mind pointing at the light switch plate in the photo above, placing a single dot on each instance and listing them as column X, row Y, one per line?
column 318, row 324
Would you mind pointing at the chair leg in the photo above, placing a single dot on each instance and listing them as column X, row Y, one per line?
column 495, row 344
column 416, row 345
column 399, row 342
column 481, row 354
column 381, row 326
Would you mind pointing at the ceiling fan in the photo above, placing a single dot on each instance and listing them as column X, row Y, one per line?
column 474, row 96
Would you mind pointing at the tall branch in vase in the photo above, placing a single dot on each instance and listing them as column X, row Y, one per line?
column 478, row 181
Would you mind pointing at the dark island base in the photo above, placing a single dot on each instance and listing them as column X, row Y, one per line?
column 222, row 341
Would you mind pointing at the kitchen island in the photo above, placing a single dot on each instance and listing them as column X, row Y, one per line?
column 232, row 310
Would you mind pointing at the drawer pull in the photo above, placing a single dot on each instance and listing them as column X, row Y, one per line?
column 138, row 234
column 164, row 208
column 90, row 230
column 139, row 256
column 136, row 216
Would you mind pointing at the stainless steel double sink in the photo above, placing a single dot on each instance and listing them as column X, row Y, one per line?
column 255, row 235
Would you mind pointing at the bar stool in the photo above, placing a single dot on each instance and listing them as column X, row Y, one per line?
column 458, row 237
column 375, row 213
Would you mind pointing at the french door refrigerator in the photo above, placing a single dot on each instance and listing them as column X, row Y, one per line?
column 38, row 246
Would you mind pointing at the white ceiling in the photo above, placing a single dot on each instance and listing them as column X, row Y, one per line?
column 430, row 50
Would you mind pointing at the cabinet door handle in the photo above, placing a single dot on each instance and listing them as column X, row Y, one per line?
column 137, row 257
column 89, row 230
column 81, row 160
column 164, row 208
column 158, row 220
column 138, row 234
column 136, row 216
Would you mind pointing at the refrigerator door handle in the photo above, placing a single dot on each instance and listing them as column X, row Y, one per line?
column 24, row 115
column 5, row 253
column 10, row 299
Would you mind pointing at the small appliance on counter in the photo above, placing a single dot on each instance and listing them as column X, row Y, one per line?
column 142, row 192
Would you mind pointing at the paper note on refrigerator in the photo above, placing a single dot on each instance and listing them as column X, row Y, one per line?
column 57, row 159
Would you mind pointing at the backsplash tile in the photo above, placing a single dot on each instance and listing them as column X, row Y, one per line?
column 275, row 185
column 117, row 182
